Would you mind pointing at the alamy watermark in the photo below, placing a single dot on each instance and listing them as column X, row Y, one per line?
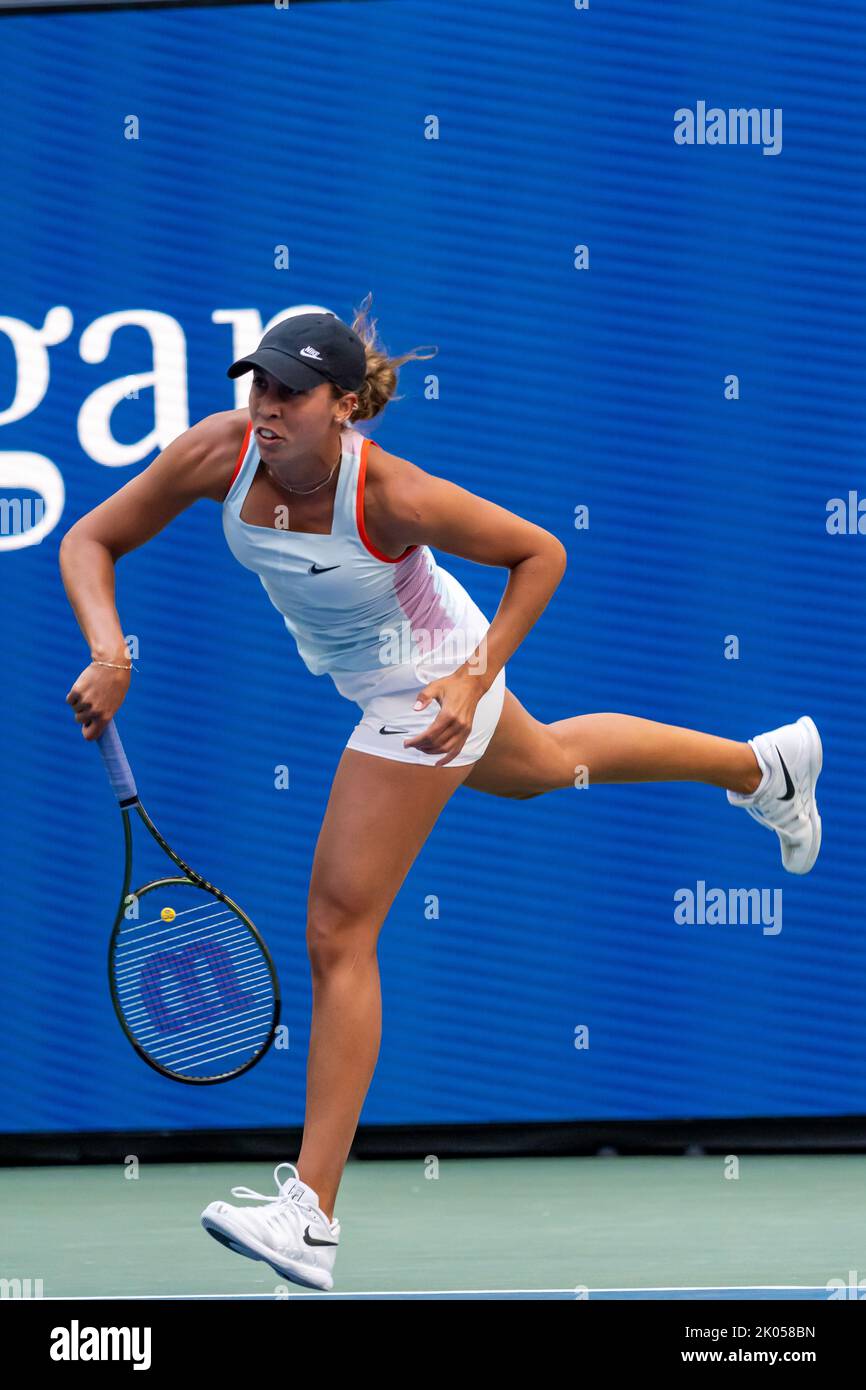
column 703, row 906
column 22, row 1288
column 737, row 126
column 846, row 516
column 19, row 515
column 407, row 645
column 77, row 1343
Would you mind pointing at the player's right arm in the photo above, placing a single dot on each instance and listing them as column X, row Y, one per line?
column 199, row 463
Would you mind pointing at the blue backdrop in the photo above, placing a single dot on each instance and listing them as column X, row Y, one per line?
column 452, row 158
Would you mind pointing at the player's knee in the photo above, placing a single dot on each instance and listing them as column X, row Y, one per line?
column 339, row 933
column 565, row 768
column 548, row 777
column 552, row 774
column 541, row 784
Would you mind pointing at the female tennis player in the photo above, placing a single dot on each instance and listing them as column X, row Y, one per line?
column 339, row 532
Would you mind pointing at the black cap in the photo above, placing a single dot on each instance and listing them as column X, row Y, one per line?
column 304, row 350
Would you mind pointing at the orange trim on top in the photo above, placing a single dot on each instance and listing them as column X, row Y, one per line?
column 241, row 456
column 359, row 512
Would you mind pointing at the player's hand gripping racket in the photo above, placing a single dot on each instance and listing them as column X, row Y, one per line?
column 193, row 984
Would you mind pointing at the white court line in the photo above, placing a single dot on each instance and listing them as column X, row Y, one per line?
column 421, row 1293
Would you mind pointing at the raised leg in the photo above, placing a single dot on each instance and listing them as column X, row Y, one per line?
column 526, row 757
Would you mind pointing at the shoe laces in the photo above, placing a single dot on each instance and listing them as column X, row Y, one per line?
column 285, row 1205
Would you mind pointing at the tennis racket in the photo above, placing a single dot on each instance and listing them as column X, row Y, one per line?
column 192, row 982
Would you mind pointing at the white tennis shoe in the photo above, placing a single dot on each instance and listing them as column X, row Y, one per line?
column 790, row 758
column 290, row 1232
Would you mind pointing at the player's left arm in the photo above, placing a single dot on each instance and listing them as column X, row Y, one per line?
column 416, row 508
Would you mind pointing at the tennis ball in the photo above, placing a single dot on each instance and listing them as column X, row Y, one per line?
column 168, row 914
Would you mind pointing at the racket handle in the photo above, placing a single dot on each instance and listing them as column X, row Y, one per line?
column 116, row 765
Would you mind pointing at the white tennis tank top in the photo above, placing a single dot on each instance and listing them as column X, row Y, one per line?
column 349, row 607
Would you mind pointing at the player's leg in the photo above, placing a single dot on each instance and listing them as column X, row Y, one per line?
column 627, row 748
column 379, row 814
column 526, row 757
column 772, row 776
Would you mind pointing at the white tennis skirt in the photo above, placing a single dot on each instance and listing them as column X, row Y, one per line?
column 386, row 697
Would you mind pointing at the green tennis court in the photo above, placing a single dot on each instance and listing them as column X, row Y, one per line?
column 620, row 1227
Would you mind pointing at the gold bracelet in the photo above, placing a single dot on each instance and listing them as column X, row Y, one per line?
column 114, row 665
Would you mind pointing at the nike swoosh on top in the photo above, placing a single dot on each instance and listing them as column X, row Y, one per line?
column 320, row 569
column 789, row 785
column 385, row 730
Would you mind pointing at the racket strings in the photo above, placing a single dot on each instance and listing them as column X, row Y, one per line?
column 195, row 990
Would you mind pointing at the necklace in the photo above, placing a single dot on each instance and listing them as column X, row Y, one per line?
column 304, row 490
